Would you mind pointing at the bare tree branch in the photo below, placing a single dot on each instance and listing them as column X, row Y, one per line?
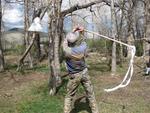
column 77, row 6
column 16, row 1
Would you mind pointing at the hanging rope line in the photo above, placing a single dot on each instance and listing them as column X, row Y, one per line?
column 127, row 78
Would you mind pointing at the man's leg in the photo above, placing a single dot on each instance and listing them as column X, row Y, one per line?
column 71, row 90
column 89, row 91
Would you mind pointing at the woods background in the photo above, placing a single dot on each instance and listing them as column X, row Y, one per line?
column 124, row 20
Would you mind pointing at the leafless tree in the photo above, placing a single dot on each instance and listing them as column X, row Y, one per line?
column 1, row 50
column 35, row 36
column 26, row 26
column 147, row 24
column 113, row 64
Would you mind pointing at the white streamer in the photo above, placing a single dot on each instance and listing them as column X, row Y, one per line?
column 129, row 73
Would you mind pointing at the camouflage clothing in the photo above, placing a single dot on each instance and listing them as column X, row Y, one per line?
column 76, row 66
column 74, row 81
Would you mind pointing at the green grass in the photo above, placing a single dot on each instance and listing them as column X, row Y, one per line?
column 17, row 49
column 42, row 105
column 98, row 45
column 35, row 98
column 41, row 68
column 39, row 101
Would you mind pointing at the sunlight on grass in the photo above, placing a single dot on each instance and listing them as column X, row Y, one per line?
column 43, row 105
column 39, row 101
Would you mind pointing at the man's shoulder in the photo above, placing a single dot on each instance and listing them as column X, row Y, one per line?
column 79, row 48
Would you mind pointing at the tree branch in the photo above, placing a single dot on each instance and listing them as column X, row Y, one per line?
column 77, row 6
column 17, row 1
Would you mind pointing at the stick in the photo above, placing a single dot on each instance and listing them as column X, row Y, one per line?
column 26, row 51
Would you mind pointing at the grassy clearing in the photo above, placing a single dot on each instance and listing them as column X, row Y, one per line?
column 41, row 102
column 30, row 94
column 37, row 100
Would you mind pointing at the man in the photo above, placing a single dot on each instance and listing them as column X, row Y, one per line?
column 75, row 51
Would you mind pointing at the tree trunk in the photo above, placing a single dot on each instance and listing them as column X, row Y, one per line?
column 26, row 52
column 131, row 25
column 37, row 47
column 26, row 26
column 55, row 31
column 37, row 51
column 113, row 65
column 147, row 26
column 1, row 50
column 120, row 33
column 130, row 40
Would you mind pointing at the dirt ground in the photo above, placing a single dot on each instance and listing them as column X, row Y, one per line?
column 135, row 98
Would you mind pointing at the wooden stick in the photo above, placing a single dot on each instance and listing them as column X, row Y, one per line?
column 26, row 51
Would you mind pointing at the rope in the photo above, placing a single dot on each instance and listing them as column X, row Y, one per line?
column 127, row 78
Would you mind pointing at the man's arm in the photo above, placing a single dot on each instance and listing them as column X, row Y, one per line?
column 66, row 48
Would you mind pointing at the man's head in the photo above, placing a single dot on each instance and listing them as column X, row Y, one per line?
column 72, row 37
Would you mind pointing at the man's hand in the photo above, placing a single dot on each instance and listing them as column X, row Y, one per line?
column 66, row 49
column 79, row 29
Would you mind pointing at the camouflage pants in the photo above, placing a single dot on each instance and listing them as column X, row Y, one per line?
column 74, row 81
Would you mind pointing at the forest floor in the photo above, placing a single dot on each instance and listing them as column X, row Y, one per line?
column 27, row 92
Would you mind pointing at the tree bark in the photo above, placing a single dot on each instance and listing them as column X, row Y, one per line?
column 37, row 47
column 131, row 24
column 130, row 42
column 147, row 26
column 26, row 26
column 77, row 6
column 37, row 51
column 26, row 52
column 120, row 32
column 1, row 50
column 55, row 31
column 113, row 63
